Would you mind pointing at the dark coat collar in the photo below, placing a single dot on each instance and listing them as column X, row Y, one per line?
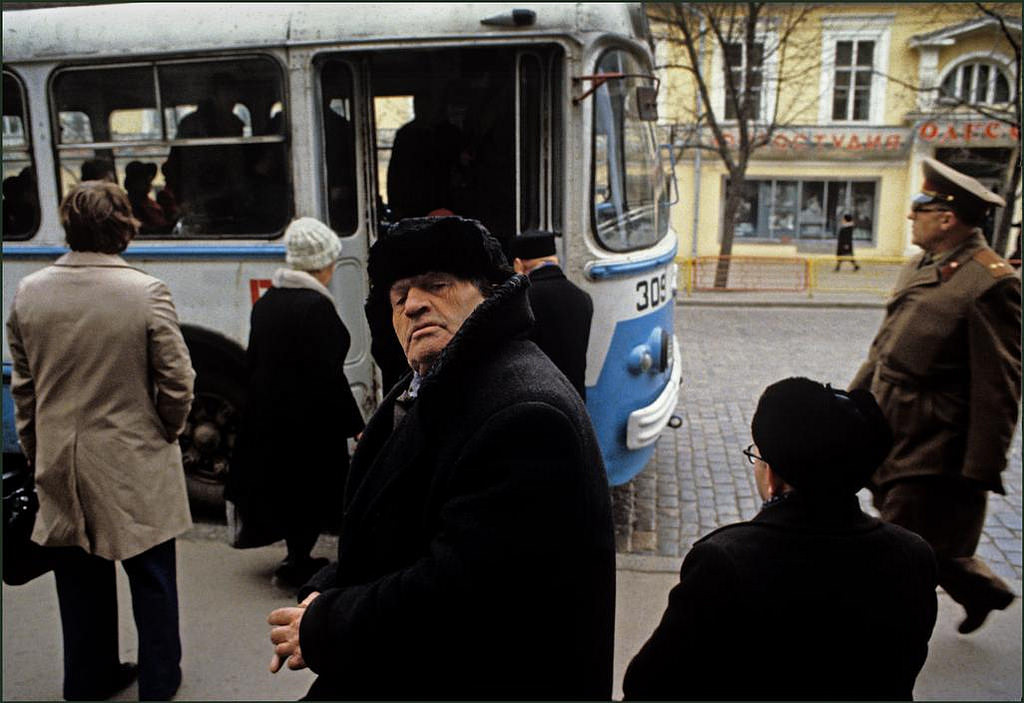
column 504, row 315
column 501, row 317
column 546, row 273
column 802, row 513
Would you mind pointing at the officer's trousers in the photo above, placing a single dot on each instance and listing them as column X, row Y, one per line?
column 949, row 513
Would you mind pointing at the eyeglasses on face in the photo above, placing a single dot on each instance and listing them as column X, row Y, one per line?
column 751, row 457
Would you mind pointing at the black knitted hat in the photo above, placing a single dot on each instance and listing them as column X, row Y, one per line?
column 820, row 439
column 533, row 244
column 417, row 245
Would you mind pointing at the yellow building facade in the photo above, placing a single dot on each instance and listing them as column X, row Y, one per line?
column 853, row 92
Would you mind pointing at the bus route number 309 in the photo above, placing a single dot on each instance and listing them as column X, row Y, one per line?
column 650, row 293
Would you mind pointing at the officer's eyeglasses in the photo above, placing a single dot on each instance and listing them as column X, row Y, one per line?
column 751, row 457
column 924, row 208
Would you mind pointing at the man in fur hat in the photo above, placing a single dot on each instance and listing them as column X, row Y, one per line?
column 563, row 311
column 811, row 599
column 946, row 368
column 467, row 567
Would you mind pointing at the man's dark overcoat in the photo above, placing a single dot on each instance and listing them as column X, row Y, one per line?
column 299, row 408
column 807, row 600
column 562, row 329
column 476, row 557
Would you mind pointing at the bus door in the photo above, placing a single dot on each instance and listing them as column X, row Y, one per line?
column 347, row 205
column 463, row 131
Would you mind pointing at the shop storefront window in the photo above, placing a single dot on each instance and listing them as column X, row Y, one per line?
column 787, row 210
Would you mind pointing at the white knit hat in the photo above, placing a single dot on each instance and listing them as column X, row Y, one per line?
column 311, row 244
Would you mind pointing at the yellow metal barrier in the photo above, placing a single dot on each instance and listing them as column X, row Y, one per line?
column 793, row 274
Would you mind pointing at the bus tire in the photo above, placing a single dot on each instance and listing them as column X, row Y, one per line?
column 209, row 437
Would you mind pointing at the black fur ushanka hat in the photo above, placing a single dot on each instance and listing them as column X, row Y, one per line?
column 418, row 245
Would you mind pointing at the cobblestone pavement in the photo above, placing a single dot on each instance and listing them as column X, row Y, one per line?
column 699, row 480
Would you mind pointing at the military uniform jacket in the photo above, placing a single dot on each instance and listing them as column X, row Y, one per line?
column 945, row 366
column 102, row 385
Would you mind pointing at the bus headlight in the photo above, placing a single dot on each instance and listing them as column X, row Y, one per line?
column 652, row 356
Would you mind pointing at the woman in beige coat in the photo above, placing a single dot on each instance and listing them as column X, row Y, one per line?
column 102, row 385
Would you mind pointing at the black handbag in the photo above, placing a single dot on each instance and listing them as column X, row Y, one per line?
column 23, row 559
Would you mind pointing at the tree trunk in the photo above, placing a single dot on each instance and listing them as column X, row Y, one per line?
column 733, row 196
column 1001, row 237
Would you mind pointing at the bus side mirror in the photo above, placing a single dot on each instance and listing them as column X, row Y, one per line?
column 647, row 103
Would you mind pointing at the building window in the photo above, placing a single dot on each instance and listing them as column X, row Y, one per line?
column 975, row 83
column 787, row 210
column 854, row 66
column 851, row 94
column 737, row 59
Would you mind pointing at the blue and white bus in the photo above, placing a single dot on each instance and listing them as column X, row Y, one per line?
column 294, row 109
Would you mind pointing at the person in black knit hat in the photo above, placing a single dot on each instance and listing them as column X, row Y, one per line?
column 816, row 599
column 447, row 521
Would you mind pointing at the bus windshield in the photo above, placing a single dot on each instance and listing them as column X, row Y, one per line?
column 628, row 185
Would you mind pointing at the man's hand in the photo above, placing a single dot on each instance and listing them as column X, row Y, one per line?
column 285, row 635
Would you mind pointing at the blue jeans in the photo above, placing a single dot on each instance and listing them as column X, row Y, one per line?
column 87, row 594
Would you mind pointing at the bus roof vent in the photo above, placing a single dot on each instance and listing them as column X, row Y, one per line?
column 516, row 18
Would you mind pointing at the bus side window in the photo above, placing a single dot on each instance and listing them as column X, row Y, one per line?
column 21, row 198
column 205, row 141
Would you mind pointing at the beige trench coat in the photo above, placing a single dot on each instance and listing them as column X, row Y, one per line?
column 945, row 367
column 102, row 385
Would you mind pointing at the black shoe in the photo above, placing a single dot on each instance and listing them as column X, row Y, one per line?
column 292, row 573
column 125, row 675
column 976, row 615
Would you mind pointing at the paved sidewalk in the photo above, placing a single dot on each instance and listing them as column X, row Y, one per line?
column 226, row 595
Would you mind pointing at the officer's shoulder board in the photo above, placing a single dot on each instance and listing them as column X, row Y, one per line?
column 993, row 263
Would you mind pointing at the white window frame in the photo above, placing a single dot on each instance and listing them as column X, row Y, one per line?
column 850, row 28
column 769, row 39
column 1000, row 62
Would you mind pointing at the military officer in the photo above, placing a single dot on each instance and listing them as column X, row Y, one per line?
column 562, row 311
column 946, row 370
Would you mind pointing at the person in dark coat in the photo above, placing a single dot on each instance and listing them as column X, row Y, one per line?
column 562, row 311
column 844, row 243
column 946, row 369
column 812, row 599
column 464, row 570
column 300, row 408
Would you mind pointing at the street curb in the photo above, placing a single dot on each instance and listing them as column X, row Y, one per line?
column 647, row 563
column 841, row 304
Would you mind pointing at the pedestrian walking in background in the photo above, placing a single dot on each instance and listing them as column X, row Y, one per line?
column 812, row 599
column 299, row 407
column 946, row 369
column 102, row 384
column 465, row 570
column 562, row 312
column 844, row 242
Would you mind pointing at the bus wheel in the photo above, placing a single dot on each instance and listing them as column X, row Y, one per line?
column 208, row 440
